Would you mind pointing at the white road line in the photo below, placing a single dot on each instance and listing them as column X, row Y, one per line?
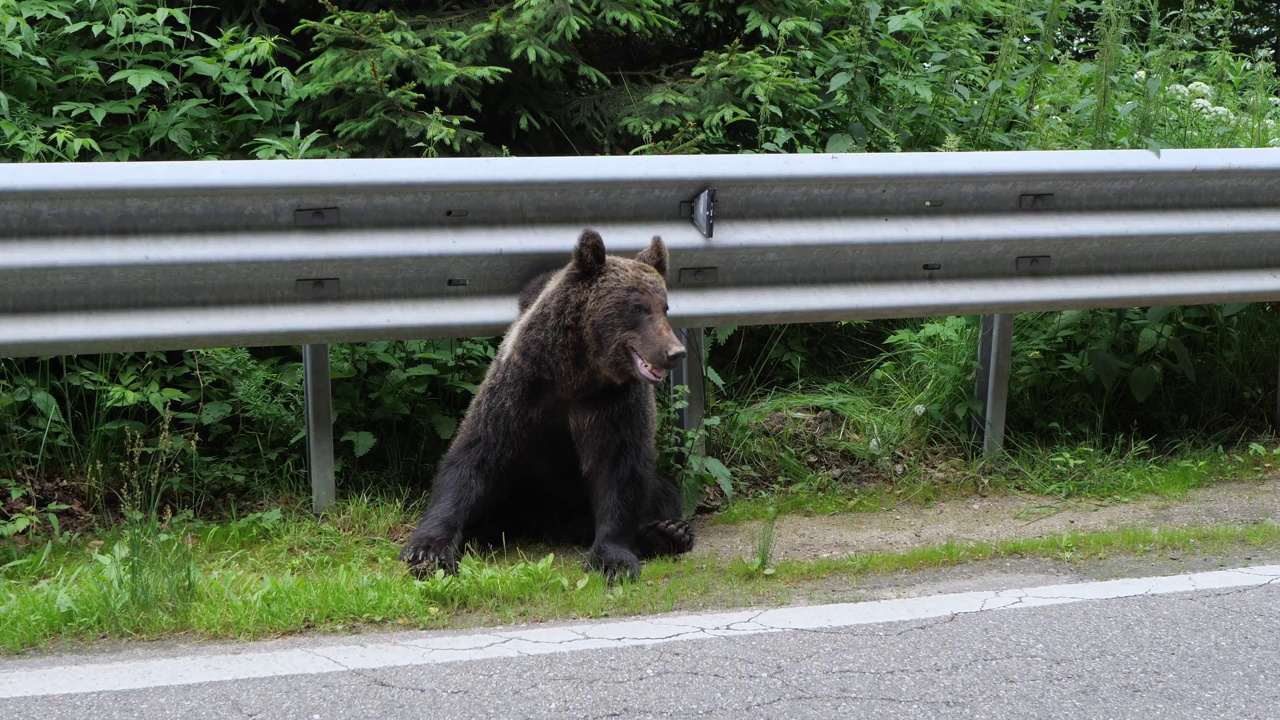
column 432, row 649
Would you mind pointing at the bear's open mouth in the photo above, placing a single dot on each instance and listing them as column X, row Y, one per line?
column 647, row 371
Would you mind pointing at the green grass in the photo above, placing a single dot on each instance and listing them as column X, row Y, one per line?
column 277, row 573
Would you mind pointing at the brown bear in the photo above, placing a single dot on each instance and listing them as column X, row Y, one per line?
column 559, row 440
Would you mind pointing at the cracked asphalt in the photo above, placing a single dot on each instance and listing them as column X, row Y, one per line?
column 1198, row 654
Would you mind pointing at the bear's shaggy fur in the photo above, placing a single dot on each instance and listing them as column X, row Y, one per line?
column 560, row 436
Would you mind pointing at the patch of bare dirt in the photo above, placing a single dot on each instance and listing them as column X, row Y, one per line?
column 989, row 519
column 65, row 494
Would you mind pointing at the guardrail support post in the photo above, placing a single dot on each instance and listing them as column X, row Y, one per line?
column 1276, row 421
column 689, row 373
column 319, row 408
column 995, row 347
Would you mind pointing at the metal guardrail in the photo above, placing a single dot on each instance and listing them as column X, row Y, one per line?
column 114, row 257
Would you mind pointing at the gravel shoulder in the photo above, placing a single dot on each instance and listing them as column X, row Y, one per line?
column 992, row 519
column 988, row 519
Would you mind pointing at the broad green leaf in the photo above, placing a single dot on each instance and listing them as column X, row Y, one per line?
column 1184, row 358
column 1105, row 365
column 1143, row 380
column 445, row 426
column 362, row 442
column 140, row 78
column 15, row 526
column 722, row 476
column 1147, row 339
column 873, row 12
column 840, row 143
column 215, row 411
column 47, row 405
column 714, row 377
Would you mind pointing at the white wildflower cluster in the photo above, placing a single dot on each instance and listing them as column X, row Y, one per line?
column 919, row 410
column 1275, row 101
column 1199, row 88
column 1212, row 111
column 1202, row 101
column 1140, row 75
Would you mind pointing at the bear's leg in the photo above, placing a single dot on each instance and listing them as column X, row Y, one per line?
column 460, row 488
column 616, row 451
column 491, row 441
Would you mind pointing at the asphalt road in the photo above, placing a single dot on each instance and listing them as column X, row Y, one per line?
column 1193, row 646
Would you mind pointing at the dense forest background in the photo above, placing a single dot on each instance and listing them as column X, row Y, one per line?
column 130, row 80
column 87, row 80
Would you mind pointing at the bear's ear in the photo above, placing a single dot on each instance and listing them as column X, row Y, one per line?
column 655, row 255
column 588, row 256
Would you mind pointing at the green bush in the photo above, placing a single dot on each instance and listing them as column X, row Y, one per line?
column 134, row 80
column 231, row 420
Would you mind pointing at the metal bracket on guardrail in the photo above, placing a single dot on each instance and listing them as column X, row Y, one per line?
column 704, row 212
column 317, row 288
column 316, row 217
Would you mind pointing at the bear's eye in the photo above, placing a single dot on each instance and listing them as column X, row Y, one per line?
column 637, row 309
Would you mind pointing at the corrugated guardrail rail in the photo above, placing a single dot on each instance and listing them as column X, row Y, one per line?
column 102, row 257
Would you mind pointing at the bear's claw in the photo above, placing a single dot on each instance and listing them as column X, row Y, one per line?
column 425, row 555
column 666, row 537
column 615, row 563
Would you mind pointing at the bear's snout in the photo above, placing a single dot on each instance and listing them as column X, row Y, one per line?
column 675, row 354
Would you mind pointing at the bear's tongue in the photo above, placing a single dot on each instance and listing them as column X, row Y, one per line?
column 653, row 373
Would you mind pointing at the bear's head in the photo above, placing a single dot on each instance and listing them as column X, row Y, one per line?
column 625, row 311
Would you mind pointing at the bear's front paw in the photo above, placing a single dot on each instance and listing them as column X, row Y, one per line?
column 614, row 562
column 425, row 554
